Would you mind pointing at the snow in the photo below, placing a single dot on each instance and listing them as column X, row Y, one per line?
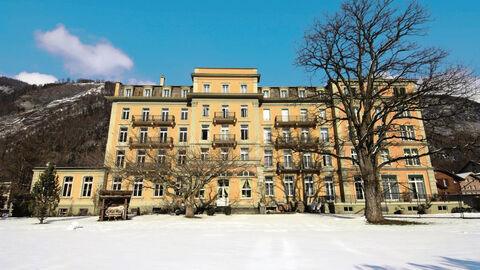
column 295, row 241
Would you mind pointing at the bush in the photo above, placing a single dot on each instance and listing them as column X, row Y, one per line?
column 463, row 209
column 21, row 205
column 211, row 211
column 228, row 210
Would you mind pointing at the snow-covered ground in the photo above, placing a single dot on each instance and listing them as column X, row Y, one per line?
column 296, row 241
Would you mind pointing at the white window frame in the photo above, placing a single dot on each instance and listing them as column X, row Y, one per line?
column 125, row 113
column 415, row 161
column 117, row 183
column 87, row 187
column 243, row 89
column 268, row 158
column 158, row 191
column 123, row 134
column 137, row 191
column 288, row 181
column 243, row 111
column 184, row 114
column 205, row 128
column 206, row 88
column 67, row 187
column 244, row 154
column 244, row 132
column 269, row 186
column 205, row 110
column 225, row 88
column 166, row 92
column 246, row 191
column 309, row 185
column 266, row 115
column 183, row 134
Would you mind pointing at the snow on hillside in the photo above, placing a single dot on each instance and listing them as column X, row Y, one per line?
column 5, row 89
column 297, row 241
column 11, row 124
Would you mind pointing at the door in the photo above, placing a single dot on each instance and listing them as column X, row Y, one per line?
column 145, row 114
column 164, row 114
column 223, row 192
column 225, row 111
column 224, row 133
column 163, row 135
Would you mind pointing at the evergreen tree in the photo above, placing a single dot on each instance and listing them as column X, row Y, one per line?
column 46, row 193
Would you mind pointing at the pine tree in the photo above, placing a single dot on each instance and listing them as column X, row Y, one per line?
column 46, row 193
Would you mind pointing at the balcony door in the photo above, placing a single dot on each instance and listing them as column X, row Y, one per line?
column 164, row 114
column 143, row 135
column 145, row 114
column 287, row 159
column 285, row 116
column 225, row 109
column 223, row 191
column 224, row 133
column 163, row 135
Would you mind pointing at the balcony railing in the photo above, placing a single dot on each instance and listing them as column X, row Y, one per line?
column 151, row 142
column 287, row 167
column 224, row 118
column 295, row 121
column 153, row 120
column 148, row 166
column 310, row 167
column 300, row 142
column 224, row 140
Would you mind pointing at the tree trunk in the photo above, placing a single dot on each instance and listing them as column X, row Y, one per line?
column 189, row 208
column 41, row 220
column 373, row 199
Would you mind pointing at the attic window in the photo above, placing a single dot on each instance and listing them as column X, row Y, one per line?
column 128, row 92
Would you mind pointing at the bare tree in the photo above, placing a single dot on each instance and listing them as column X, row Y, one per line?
column 183, row 174
column 365, row 50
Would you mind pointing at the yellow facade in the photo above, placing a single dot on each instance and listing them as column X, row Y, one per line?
column 275, row 178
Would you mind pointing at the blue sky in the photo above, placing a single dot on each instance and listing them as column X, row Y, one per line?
column 173, row 37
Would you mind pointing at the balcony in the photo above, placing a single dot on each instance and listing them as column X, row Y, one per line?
column 310, row 167
column 224, row 140
column 220, row 118
column 295, row 121
column 300, row 142
column 153, row 120
column 150, row 142
column 148, row 166
column 288, row 167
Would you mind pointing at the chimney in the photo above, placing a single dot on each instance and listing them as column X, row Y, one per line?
column 162, row 80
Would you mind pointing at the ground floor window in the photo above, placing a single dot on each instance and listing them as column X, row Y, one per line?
column 329, row 188
column 246, row 185
column 269, row 186
column 138, row 187
column 87, row 186
column 200, row 194
column 158, row 190
column 309, row 188
column 288, row 181
column 67, row 186
column 358, row 182
column 390, row 187
column 417, row 187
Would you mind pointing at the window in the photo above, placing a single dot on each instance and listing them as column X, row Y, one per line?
column 283, row 93
column 390, row 187
column 141, row 156
column 120, row 158
column 244, row 155
column 348, row 209
column 122, row 135
column 399, row 91
column 67, row 186
column 182, row 157
column 143, row 135
column 287, row 158
column 166, row 92
column 324, row 134
column 267, row 135
column 62, row 211
column 243, row 88
column 268, row 158
column 286, row 135
column 163, row 135
column 353, row 152
column 285, row 116
column 184, row 114
column 301, row 93
column 204, row 153
column 200, row 194
column 414, row 161
column 246, row 188
column 125, row 113
column 224, row 153
column 137, row 187
column 442, row 208
column 162, row 156
column 329, row 188
column 158, row 190
column 128, row 92
column 309, row 188
column 305, row 135
column 244, row 132
column 184, row 92
column 407, row 132
column 417, row 187
column 178, row 187
column 165, row 113
column 358, row 182
column 266, row 93
column 205, row 110
column 269, row 186
column 303, row 114
column 243, row 111
column 147, row 92
column 87, row 186
column 404, row 112
column 183, row 134
column 307, row 160
column 288, row 181
column 266, row 115
column 205, row 131
column 206, row 88
column 117, row 183
column 225, row 88
column 327, row 161
column 385, row 155
column 322, row 114
column 145, row 114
